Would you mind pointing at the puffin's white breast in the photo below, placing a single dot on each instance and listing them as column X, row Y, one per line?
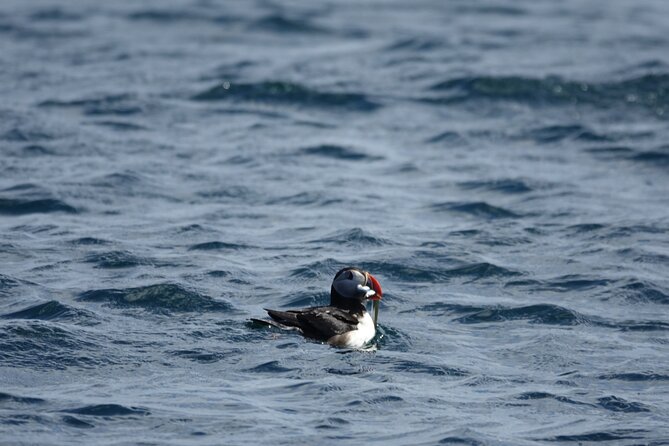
column 356, row 338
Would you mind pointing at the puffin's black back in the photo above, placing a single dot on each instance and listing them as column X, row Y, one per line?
column 320, row 323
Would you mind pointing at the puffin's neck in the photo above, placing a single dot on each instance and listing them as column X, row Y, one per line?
column 353, row 305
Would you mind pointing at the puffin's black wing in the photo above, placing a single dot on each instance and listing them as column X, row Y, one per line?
column 318, row 322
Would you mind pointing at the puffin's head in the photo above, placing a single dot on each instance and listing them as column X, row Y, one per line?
column 351, row 284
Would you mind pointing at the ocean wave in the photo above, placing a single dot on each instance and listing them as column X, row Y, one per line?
column 317, row 270
column 28, row 198
column 337, row 152
column 200, row 355
column 123, row 180
column 429, row 369
column 76, row 422
column 116, row 259
column 89, row 241
column 46, row 345
column 480, row 270
column 303, row 299
column 9, row 398
column 598, row 436
column 547, row 314
column 217, row 246
column 121, row 126
column 635, row 376
column 659, row 158
column 642, row 291
column 414, row 44
column 649, row 91
column 479, row 209
column 556, row 133
column 8, row 282
column 109, row 410
column 354, row 237
column 471, row 271
column 448, row 137
column 24, row 206
column 33, row 150
column 122, row 104
column 28, row 134
column 309, row 198
column 278, row 92
column 169, row 16
column 505, row 185
column 51, row 310
column 491, row 9
column 55, row 14
column 39, row 31
column 546, row 395
column 613, row 152
column 586, row 228
column 567, row 283
column 447, row 309
column 617, row 404
column 270, row 367
column 544, row 313
column 160, row 297
column 643, row 326
column 278, row 23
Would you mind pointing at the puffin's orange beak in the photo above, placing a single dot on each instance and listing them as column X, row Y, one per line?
column 376, row 286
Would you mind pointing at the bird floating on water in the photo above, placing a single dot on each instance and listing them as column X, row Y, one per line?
column 345, row 322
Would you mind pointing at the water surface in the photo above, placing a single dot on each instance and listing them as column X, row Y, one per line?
column 169, row 168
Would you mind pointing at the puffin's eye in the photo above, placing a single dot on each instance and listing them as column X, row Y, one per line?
column 350, row 275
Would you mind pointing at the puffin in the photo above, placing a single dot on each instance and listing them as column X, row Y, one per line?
column 345, row 322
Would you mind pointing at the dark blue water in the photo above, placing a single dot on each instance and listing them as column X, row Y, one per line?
column 169, row 168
